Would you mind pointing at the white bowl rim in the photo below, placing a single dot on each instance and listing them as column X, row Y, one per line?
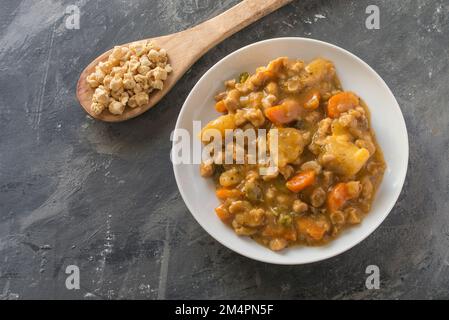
column 373, row 227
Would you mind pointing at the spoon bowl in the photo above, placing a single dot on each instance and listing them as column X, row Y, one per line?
column 183, row 49
column 179, row 64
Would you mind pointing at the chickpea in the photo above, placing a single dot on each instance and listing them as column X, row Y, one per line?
column 243, row 231
column 299, row 206
column 311, row 165
column 221, row 96
column 328, row 177
column 232, row 100
column 318, row 197
column 270, row 193
column 278, row 244
column 239, row 206
column 283, row 199
column 268, row 101
column 206, row 169
column 337, row 218
column 230, row 83
column 256, row 117
column 353, row 215
column 272, row 88
column 287, row 171
column 252, row 218
column 367, row 188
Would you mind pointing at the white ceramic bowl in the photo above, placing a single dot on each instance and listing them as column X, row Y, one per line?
column 386, row 118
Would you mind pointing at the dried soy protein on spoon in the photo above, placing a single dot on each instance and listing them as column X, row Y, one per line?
column 128, row 77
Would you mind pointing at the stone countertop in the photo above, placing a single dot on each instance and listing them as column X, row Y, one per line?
column 75, row 191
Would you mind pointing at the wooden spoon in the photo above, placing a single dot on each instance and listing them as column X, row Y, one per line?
column 184, row 49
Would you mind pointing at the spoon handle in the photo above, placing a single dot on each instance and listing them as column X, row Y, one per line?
column 213, row 31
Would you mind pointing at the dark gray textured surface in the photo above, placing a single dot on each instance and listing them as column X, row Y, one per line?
column 103, row 196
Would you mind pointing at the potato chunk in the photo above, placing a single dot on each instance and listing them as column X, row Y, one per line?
column 341, row 155
column 319, row 70
column 290, row 145
column 221, row 124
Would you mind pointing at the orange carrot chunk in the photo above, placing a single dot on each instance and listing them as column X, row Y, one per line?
column 220, row 106
column 225, row 193
column 277, row 114
column 301, row 181
column 223, row 213
column 337, row 197
column 314, row 229
column 284, row 113
column 262, row 77
column 341, row 102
